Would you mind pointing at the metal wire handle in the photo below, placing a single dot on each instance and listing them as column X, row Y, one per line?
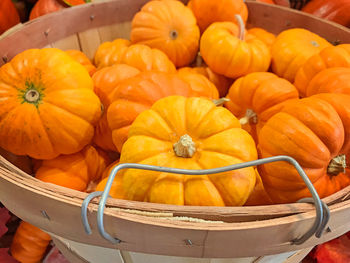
column 322, row 211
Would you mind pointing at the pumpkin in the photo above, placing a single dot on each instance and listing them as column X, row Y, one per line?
column 47, row 104
column 227, row 50
column 142, row 57
column 75, row 2
column 256, row 97
column 262, row 34
column 43, row 7
column 82, row 59
column 315, row 132
column 259, row 195
column 105, row 81
column 266, row 1
column 169, row 26
column 333, row 80
column 29, row 243
column 333, row 56
column 134, row 95
column 221, row 83
column 74, row 171
column 209, row 11
column 8, row 15
column 287, row 54
column 333, row 10
column 188, row 133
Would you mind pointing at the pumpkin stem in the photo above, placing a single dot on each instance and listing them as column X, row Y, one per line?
column 32, row 95
column 240, row 26
column 199, row 60
column 173, row 34
column 337, row 165
column 220, row 102
column 250, row 117
column 185, row 147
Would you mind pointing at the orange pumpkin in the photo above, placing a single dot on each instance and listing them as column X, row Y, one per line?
column 259, row 195
column 169, row 26
column 29, row 243
column 137, row 94
column 43, row 7
column 315, row 132
column 188, row 133
column 142, row 57
column 292, row 48
column 74, row 171
column 333, row 80
column 329, row 57
column 221, row 83
column 255, row 97
column 105, row 81
column 82, row 59
column 8, row 15
column 47, row 106
column 262, row 34
column 227, row 50
column 209, row 11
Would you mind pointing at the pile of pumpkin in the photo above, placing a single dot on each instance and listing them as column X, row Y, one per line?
column 191, row 89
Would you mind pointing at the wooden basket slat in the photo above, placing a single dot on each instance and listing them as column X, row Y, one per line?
column 89, row 41
column 114, row 31
column 71, row 42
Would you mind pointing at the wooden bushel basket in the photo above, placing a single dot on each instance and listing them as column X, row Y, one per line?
column 179, row 231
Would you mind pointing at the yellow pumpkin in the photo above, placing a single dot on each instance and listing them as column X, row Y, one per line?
column 188, row 133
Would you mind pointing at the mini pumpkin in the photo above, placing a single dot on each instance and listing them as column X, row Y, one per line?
column 74, row 171
column 43, row 7
column 82, row 59
column 262, row 34
column 221, row 82
column 314, row 131
column 227, row 50
column 188, row 133
column 169, row 26
column 333, row 56
column 209, row 11
column 255, row 97
column 134, row 95
column 48, row 106
column 105, row 81
column 8, row 15
column 292, row 48
column 142, row 57
column 333, row 80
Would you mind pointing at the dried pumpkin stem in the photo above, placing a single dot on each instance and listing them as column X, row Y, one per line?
column 337, row 165
column 250, row 117
column 185, row 147
column 221, row 101
column 241, row 27
column 32, row 95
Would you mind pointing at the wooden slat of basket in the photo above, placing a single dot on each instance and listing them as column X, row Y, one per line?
column 70, row 42
column 89, row 41
column 111, row 32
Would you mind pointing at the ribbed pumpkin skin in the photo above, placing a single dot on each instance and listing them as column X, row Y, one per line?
column 333, row 56
column 337, row 11
column 29, row 243
column 82, row 59
column 8, row 15
column 333, row 80
column 218, row 139
column 43, row 7
column 74, row 171
column 142, row 57
column 262, row 34
column 47, row 106
column 169, row 26
column 313, row 132
column 105, row 81
column 287, row 54
column 227, row 55
column 262, row 93
column 221, row 82
column 209, row 11
column 137, row 94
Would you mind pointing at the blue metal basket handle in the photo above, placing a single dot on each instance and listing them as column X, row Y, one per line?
column 322, row 211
